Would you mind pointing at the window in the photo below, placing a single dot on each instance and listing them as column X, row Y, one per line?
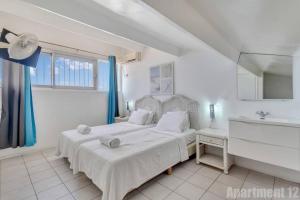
column 72, row 71
column 103, row 75
column 119, row 76
column 41, row 75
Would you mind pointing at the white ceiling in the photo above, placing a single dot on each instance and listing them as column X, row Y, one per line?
column 131, row 19
column 58, row 36
column 22, row 17
column 265, row 26
column 94, row 15
column 151, row 21
column 272, row 64
column 228, row 26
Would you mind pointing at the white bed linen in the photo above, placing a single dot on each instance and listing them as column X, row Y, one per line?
column 141, row 156
column 189, row 136
column 69, row 141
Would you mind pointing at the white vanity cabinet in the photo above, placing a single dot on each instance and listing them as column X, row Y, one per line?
column 275, row 142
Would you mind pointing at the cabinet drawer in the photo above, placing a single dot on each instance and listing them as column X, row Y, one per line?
column 276, row 155
column 211, row 140
column 264, row 133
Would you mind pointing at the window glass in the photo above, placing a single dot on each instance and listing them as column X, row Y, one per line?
column 73, row 72
column 41, row 75
column 103, row 75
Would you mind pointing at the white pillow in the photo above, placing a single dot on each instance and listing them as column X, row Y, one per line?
column 173, row 121
column 187, row 123
column 138, row 117
column 150, row 116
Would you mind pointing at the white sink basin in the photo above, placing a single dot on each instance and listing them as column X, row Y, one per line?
column 268, row 120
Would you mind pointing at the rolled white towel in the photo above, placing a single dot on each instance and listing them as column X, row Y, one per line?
column 83, row 129
column 110, row 141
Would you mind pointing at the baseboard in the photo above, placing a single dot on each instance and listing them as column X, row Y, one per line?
column 280, row 172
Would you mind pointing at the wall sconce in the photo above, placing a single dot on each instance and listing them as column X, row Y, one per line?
column 127, row 105
column 130, row 106
column 212, row 111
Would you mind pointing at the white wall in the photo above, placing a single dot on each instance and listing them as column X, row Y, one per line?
column 59, row 110
column 210, row 78
column 197, row 75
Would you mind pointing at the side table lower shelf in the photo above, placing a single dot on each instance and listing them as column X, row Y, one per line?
column 222, row 162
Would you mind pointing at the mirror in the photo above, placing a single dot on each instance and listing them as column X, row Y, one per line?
column 264, row 76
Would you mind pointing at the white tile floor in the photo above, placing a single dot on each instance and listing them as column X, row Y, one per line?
column 44, row 176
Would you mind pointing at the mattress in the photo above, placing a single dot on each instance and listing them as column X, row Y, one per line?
column 189, row 136
column 141, row 156
column 69, row 141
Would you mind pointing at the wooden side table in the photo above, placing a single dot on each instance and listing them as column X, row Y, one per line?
column 217, row 138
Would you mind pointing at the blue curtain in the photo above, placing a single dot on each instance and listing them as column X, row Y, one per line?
column 30, row 129
column 112, row 105
column 17, row 126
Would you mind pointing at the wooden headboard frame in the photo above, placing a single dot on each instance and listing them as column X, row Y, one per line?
column 183, row 103
column 151, row 104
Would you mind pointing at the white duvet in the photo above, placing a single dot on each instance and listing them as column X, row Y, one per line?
column 141, row 156
column 69, row 141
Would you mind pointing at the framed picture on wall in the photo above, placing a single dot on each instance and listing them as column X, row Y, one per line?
column 162, row 79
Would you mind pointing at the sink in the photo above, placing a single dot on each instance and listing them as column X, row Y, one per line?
column 271, row 140
column 268, row 120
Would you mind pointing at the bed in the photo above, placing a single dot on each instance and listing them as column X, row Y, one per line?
column 142, row 155
column 69, row 141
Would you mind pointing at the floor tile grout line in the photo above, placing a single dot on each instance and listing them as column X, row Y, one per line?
column 40, row 172
column 244, row 180
column 144, row 195
column 53, row 168
column 29, row 177
column 205, row 191
column 40, row 181
column 184, row 181
column 171, row 190
column 59, row 177
column 248, row 172
column 216, row 180
column 176, row 194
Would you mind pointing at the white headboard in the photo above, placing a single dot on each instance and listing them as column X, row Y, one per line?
column 150, row 103
column 182, row 103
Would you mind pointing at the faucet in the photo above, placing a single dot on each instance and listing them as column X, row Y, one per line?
column 262, row 114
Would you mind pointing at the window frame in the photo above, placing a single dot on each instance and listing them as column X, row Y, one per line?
column 55, row 53
column 79, row 57
column 51, row 73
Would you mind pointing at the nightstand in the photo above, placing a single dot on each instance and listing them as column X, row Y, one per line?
column 121, row 119
column 216, row 138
